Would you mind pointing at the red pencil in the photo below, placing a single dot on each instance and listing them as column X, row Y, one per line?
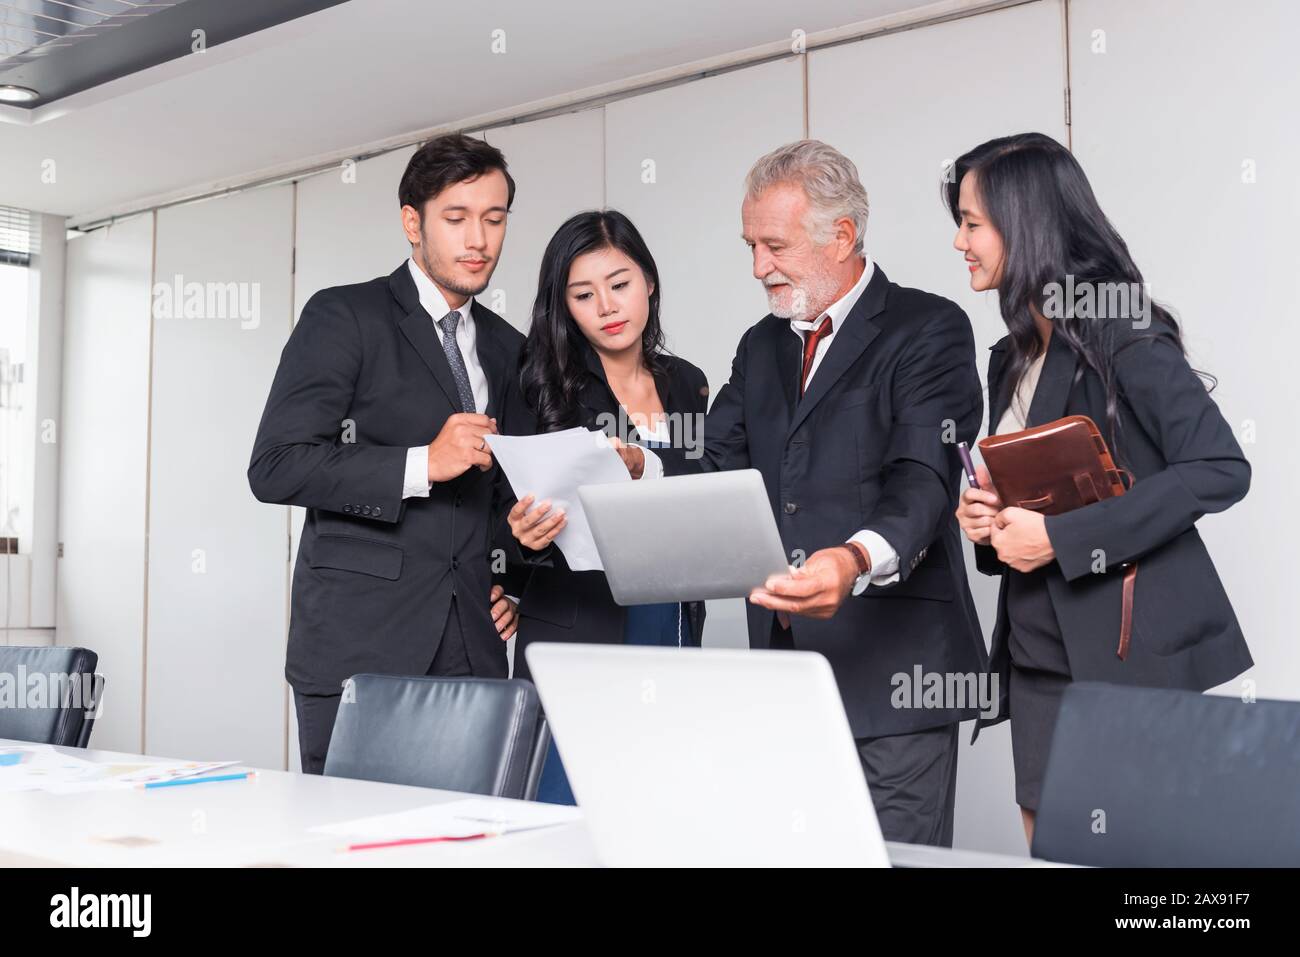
column 416, row 840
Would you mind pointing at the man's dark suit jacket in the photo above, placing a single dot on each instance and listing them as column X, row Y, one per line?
column 1185, row 462
column 871, row 445
column 560, row 604
column 362, row 379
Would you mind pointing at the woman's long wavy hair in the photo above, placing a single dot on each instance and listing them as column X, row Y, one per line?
column 553, row 365
column 1036, row 196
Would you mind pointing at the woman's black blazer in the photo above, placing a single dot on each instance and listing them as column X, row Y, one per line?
column 559, row 604
column 1185, row 462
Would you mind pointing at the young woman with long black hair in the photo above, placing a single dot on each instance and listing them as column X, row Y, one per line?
column 595, row 358
column 1085, row 338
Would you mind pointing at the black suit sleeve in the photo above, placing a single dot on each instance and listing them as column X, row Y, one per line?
column 687, row 455
column 986, row 556
column 937, row 403
column 724, row 444
column 701, row 393
column 300, row 457
column 514, row 576
column 1205, row 471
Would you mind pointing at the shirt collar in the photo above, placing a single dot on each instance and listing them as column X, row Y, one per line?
column 840, row 308
column 432, row 299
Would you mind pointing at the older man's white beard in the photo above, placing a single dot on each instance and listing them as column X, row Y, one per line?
column 807, row 300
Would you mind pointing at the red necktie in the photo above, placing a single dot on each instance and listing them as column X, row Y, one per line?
column 810, row 349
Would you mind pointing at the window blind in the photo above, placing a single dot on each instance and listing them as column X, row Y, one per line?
column 19, row 236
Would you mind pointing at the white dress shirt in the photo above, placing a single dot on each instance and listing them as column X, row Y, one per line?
column 884, row 560
column 416, row 483
column 838, row 311
column 1017, row 414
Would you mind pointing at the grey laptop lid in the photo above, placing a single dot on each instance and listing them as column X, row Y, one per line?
column 688, row 757
column 685, row 538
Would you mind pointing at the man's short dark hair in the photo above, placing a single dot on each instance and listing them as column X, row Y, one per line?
column 446, row 160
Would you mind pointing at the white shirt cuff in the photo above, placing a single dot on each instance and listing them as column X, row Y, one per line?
column 654, row 468
column 884, row 561
column 415, row 483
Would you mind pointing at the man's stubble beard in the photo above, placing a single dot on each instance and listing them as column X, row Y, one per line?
column 448, row 283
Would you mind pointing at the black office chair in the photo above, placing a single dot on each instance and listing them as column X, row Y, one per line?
column 1151, row 777
column 480, row 735
column 69, row 694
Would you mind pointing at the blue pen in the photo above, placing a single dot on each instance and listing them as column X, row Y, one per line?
column 215, row 777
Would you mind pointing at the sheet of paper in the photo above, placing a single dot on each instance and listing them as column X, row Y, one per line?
column 461, row 818
column 552, row 466
column 40, row 767
column 117, row 776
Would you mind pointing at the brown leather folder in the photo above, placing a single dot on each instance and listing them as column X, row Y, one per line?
column 1054, row 468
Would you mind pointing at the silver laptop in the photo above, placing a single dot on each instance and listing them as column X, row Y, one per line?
column 708, row 757
column 685, row 538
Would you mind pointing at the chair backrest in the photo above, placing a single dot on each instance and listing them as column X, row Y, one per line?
column 479, row 735
column 52, row 696
column 1151, row 777
column 88, row 717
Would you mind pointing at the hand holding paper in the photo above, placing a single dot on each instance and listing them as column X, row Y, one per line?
column 535, row 526
column 550, row 467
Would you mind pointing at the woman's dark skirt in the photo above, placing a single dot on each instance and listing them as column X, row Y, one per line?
column 1040, row 671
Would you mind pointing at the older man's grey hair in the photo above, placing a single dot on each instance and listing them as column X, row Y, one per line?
column 827, row 177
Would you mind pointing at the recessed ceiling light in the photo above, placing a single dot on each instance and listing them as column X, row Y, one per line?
column 17, row 94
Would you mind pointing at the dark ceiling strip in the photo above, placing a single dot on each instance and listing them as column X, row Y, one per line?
column 137, row 37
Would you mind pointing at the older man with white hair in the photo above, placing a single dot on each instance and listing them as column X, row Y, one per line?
column 850, row 397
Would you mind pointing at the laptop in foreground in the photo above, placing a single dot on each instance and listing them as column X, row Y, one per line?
column 708, row 757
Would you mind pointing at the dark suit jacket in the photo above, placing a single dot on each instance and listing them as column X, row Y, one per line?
column 1185, row 462
column 871, row 445
column 559, row 604
column 363, row 378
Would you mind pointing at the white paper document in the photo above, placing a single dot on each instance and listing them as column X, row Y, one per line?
column 463, row 818
column 552, row 466
column 43, row 767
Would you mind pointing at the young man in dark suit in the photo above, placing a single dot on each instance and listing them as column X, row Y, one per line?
column 375, row 423
column 849, row 398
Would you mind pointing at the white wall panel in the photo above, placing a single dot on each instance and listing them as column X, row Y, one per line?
column 16, row 574
column 45, row 342
column 218, row 558
column 104, row 431
column 349, row 226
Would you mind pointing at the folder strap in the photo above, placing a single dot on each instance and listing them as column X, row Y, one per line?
column 1126, row 614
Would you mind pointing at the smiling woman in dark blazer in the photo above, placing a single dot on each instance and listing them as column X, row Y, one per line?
column 594, row 358
column 1030, row 228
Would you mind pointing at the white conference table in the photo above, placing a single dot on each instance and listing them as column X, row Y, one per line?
column 264, row 822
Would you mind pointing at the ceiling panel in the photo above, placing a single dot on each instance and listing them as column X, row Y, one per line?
column 357, row 73
column 55, row 48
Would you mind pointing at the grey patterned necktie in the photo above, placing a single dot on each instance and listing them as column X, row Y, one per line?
column 454, row 359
